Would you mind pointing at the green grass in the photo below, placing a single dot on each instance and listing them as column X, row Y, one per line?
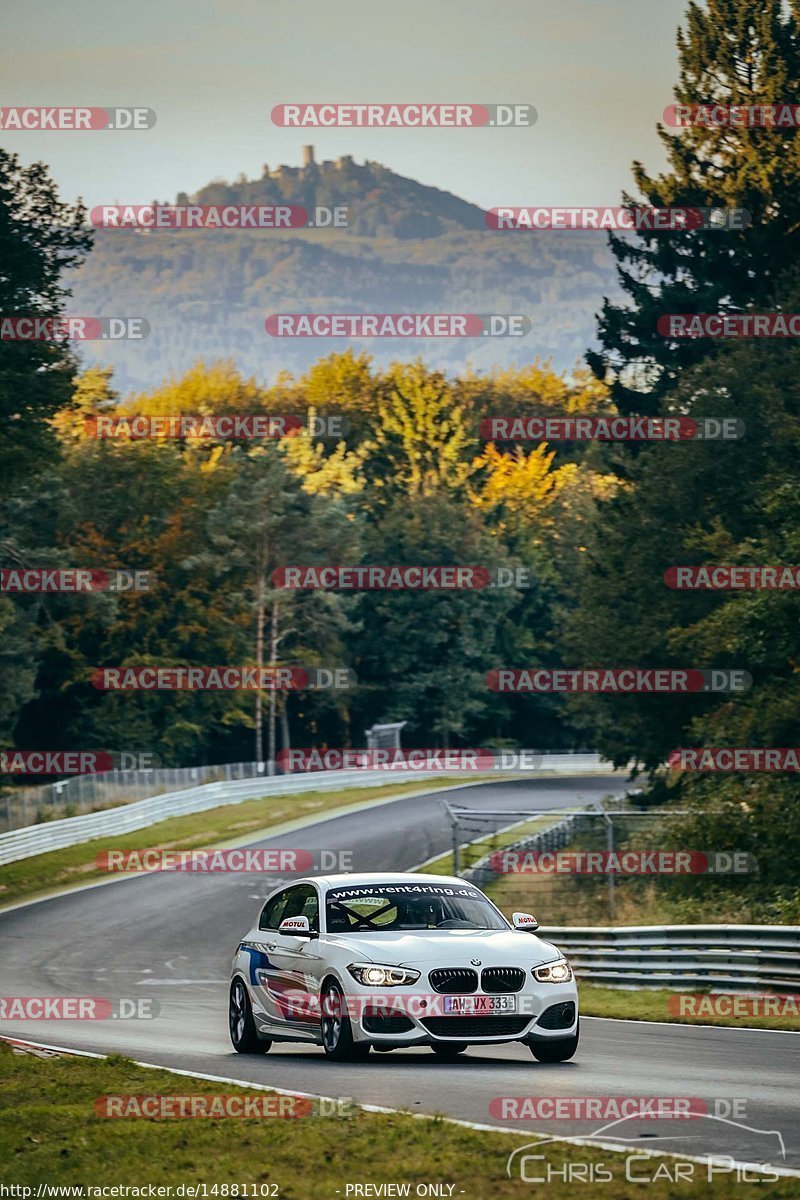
column 74, row 865
column 51, row 1134
column 645, row 1004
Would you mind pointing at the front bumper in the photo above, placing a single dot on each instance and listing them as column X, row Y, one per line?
column 544, row 1012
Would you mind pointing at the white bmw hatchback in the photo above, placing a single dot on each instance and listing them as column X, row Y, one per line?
column 353, row 962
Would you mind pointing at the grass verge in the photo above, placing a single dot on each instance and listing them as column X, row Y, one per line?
column 51, row 1134
column 46, row 873
column 645, row 1004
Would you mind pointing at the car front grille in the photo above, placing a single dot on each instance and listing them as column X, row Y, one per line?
column 454, row 981
column 475, row 1027
column 502, row 979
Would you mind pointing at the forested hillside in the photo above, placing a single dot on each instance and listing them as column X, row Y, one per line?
column 406, row 248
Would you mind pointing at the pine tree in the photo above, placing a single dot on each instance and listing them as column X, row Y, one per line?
column 732, row 52
column 39, row 238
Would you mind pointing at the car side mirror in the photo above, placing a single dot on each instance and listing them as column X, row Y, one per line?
column 525, row 921
column 298, row 926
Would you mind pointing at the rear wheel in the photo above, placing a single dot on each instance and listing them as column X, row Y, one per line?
column 335, row 1027
column 557, row 1050
column 448, row 1049
column 242, row 1027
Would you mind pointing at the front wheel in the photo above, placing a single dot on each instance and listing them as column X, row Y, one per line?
column 242, row 1027
column 335, row 1027
column 557, row 1050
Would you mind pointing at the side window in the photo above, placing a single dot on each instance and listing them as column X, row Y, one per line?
column 302, row 902
column 273, row 911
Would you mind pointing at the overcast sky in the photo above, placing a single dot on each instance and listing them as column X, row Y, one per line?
column 599, row 74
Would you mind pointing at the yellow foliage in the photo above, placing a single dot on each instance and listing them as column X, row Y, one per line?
column 335, row 474
column 516, row 481
column 205, row 389
column 536, row 387
column 521, row 490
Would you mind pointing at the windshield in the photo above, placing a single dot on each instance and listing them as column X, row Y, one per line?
column 377, row 908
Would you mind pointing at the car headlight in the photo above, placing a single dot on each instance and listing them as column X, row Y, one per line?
column 377, row 975
column 555, row 972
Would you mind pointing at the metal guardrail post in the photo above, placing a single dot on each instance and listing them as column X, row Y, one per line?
column 609, row 823
column 610, row 848
column 456, row 864
column 453, row 819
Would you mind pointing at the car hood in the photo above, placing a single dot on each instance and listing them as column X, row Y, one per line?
column 450, row 948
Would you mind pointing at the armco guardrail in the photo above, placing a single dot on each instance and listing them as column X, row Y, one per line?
column 71, row 831
column 21, row 806
column 24, row 806
column 722, row 957
column 112, row 822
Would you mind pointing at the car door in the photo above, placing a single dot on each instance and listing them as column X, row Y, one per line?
column 293, row 982
column 263, row 970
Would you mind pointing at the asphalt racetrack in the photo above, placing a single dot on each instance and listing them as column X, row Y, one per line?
column 171, row 936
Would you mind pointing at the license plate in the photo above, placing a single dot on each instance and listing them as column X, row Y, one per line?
column 480, row 1006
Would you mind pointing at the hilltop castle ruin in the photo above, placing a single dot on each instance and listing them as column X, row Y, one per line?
column 309, row 164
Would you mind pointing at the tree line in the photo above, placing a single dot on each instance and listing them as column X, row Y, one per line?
column 412, row 482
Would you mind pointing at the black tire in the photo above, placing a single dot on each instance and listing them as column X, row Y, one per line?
column 448, row 1049
column 558, row 1050
column 335, row 1027
column 242, row 1027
